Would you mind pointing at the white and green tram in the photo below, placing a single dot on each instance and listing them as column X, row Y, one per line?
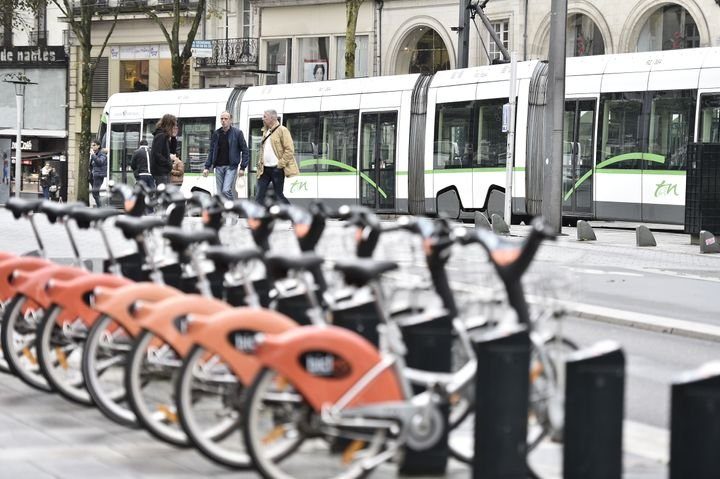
column 414, row 143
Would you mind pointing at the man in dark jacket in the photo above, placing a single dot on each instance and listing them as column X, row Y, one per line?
column 98, row 167
column 228, row 150
column 140, row 164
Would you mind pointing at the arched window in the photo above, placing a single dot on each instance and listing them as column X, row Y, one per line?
column 669, row 28
column 583, row 37
column 422, row 51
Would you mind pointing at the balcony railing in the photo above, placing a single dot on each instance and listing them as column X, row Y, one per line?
column 231, row 52
column 131, row 6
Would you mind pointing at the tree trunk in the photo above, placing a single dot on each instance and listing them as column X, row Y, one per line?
column 352, row 7
column 83, row 179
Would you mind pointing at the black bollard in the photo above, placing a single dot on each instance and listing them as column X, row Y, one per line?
column 429, row 349
column 501, row 407
column 695, row 423
column 595, row 387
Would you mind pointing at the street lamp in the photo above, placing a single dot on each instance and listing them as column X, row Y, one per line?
column 20, row 81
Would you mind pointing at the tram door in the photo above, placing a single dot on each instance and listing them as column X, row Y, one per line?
column 378, row 154
column 578, row 144
column 124, row 140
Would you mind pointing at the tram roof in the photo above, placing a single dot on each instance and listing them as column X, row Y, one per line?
column 689, row 58
column 332, row 87
column 170, row 97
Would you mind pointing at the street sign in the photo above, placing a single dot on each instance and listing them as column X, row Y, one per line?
column 201, row 48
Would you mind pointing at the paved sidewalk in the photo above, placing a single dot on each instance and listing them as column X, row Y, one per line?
column 43, row 436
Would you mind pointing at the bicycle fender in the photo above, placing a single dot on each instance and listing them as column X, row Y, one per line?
column 160, row 318
column 231, row 335
column 75, row 295
column 20, row 263
column 33, row 284
column 5, row 255
column 323, row 362
column 118, row 303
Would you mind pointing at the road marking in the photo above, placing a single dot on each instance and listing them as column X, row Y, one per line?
column 646, row 441
column 602, row 272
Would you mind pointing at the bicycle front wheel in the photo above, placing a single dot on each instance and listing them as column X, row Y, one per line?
column 107, row 348
column 18, row 342
column 209, row 397
column 60, row 348
column 288, row 439
column 150, row 375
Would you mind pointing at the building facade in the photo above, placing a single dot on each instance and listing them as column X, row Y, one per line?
column 36, row 52
column 259, row 42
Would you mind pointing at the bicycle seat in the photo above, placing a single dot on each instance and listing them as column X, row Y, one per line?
column 132, row 226
column 361, row 271
column 229, row 257
column 20, row 206
column 180, row 239
column 85, row 216
column 278, row 266
column 57, row 210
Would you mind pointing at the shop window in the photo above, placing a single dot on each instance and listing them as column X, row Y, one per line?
column 278, row 56
column 361, row 57
column 422, row 51
column 314, row 58
column 669, row 28
column 583, row 37
column 134, row 75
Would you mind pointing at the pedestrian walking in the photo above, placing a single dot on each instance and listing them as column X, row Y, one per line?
column 48, row 179
column 228, row 151
column 140, row 165
column 98, row 169
column 277, row 158
column 161, row 160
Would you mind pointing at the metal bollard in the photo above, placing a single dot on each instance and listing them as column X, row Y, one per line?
column 594, row 394
column 501, row 408
column 429, row 349
column 695, row 423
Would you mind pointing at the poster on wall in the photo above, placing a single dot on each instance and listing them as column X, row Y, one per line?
column 315, row 70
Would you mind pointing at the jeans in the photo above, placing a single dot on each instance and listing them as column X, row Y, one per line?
column 46, row 192
column 277, row 176
column 149, row 181
column 97, row 182
column 224, row 181
column 161, row 179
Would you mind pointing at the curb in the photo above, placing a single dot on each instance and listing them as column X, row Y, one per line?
column 648, row 322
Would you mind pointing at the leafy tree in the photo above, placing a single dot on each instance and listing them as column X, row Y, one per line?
column 13, row 16
column 352, row 7
column 79, row 15
column 179, row 59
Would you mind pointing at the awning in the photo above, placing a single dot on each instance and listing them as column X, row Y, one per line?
column 36, row 155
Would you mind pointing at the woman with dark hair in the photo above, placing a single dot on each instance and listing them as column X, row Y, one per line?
column 161, row 160
column 319, row 72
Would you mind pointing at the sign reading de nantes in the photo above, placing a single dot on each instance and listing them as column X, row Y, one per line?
column 32, row 55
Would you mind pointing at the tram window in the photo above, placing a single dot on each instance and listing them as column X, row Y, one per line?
column 454, row 128
column 194, row 136
column 672, row 121
column 709, row 119
column 621, row 130
column 492, row 142
column 149, row 126
column 305, row 131
column 339, row 139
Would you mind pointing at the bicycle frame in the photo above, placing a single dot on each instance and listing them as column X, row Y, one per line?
column 160, row 318
column 325, row 363
column 231, row 335
column 118, row 303
column 73, row 295
column 33, row 284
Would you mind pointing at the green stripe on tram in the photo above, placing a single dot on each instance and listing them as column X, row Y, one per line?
column 349, row 168
column 651, row 157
